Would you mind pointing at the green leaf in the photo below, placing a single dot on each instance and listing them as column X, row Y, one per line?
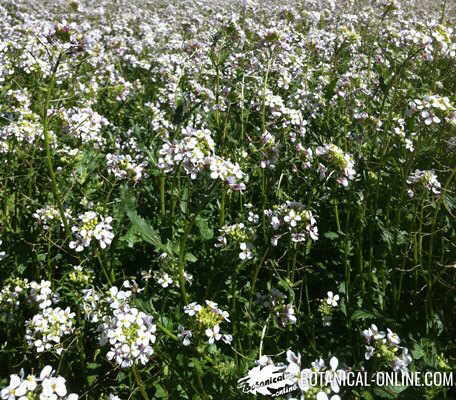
column 145, row 230
column 331, row 235
column 140, row 230
column 160, row 392
column 367, row 396
column 360, row 314
column 389, row 392
column 206, row 232
column 417, row 352
column 190, row 257
column 449, row 202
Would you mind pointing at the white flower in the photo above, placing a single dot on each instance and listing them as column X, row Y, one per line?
column 402, row 363
column 185, row 335
column 324, row 396
column 333, row 375
column 227, row 339
column 427, row 179
column 30, row 383
column 92, row 226
column 46, row 372
column 372, row 333
column 332, row 299
column 213, row 334
column 299, row 222
column 392, row 337
column 130, row 334
column 48, row 386
column 15, row 388
column 287, row 315
column 192, row 308
column 54, row 385
column 294, row 365
column 292, row 218
column 369, row 352
column 318, row 364
column 164, row 280
column 378, row 335
column 264, row 360
column 46, row 329
column 246, row 253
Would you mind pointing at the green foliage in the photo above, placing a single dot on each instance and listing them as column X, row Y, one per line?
column 291, row 162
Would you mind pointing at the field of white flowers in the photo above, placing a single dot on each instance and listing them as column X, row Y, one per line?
column 190, row 189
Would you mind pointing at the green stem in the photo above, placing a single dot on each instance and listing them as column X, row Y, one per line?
column 263, row 333
column 167, row 332
column 47, row 145
column 263, row 106
column 162, row 196
column 183, row 249
column 293, row 264
column 140, row 383
column 336, row 212
column 255, row 275
column 222, row 209
column 109, row 279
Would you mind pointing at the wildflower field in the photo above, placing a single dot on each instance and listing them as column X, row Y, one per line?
column 193, row 192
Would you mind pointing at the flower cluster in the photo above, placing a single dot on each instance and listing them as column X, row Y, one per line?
column 95, row 305
column 195, row 152
column 92, row 225
column 424, row 179
column 276, row 302
column 336, row 162
column 242, row 235
column 126, row 167
column 25, row 130
column 46, row 215
column 431, row 109
column 128, row 161
column 130, row 334
column 66, row 36
column 47, row 328
column 41, row 294
column 12, row 291
column 269, row 151
column 207, row 320
column 385, row 346
column 327, row 307
column 228, row 172
column 81, row 276
column 47, row 386
column 164, row 280
column 303, row 377
column 37, row 293
column 85, row 124
column 297, row 221
column 91, row 305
